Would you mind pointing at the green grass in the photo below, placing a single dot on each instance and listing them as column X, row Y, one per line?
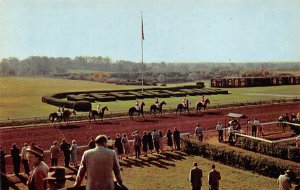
column 175, row 176
column 21, row 96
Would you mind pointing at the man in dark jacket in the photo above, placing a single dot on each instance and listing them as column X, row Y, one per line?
column 16, row 159
column 195, row 177
column 213, row 178
column 176, row 136
column 65, row 148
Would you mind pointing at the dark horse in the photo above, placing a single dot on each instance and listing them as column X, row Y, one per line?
column 200, row 105
column 159, row 108
column 94, row 113
column 65, row 116
column 133, row 109
column 181, row 107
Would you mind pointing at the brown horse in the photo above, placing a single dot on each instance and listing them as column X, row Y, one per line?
column 181, row 107
column 199, row 105
column 153, row 108
column 132, row 110
column 100, row 115
column 65, row 116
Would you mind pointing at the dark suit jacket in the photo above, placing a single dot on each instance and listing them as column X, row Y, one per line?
column 195, row 177
column 213, row 179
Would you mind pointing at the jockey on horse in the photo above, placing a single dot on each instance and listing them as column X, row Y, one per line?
column 202, row 100
column 137, row 105
column 157, row 103
column 98, row 108
column 60, row 111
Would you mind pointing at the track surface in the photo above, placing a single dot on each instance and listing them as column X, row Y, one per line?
column 81, row 132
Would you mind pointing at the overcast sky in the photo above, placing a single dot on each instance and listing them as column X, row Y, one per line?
column 175, row 30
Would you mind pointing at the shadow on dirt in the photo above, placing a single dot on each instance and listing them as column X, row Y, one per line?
column 67, row 127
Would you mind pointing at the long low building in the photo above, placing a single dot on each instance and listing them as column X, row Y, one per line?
column 254, row 81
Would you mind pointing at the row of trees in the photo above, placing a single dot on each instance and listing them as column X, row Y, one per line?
column 49, row 66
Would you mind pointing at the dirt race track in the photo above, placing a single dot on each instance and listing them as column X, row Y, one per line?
column 82, row 131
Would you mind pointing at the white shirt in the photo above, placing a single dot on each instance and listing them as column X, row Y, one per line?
column 219, row 127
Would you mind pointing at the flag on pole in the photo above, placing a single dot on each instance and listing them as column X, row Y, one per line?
column 142, row 29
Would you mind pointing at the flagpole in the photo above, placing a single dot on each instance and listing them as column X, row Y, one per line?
column 142, row 43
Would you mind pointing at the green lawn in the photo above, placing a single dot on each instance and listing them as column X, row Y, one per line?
column 21, row 96
column 173, row 174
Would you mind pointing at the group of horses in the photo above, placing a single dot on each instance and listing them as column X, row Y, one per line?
column 154, row 109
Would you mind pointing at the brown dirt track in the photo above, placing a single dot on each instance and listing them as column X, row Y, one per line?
column 82, row 131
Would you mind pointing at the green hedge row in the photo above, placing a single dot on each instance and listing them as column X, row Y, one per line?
column 279, row 150
column 243, row 160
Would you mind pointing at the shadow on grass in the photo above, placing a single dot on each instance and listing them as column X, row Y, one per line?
column 163, row 160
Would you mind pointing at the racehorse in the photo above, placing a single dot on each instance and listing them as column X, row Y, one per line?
column 181, row 107
column 65, row 116
column 133, row 109
column 199, row 105
column 153, row 108
column 94, row 113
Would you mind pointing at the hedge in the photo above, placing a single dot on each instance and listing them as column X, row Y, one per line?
column 279, row 150
column 243, row 160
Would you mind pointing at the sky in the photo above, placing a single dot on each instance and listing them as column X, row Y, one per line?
column 174, row 30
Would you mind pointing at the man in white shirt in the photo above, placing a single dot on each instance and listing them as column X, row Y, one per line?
column 219, row 128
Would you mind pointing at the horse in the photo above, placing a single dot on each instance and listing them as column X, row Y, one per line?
column 181, row 107
column 94, row 113
column 133, row 109
column 153, row 108
column 199, row 105
column 64, row 116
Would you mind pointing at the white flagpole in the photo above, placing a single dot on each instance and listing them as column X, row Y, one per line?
column 142, row 43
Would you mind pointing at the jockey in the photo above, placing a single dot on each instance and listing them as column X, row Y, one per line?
column 184, row 102
column 98, row 108
column 137, row 105
column 202, row 100
column 157, row 103
column 59, row 111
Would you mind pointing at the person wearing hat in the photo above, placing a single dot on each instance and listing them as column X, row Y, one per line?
column 99, row 164
column 284, row 181
column 198, row 133
column 56, row 178
column 195, row 177
column 40, row 169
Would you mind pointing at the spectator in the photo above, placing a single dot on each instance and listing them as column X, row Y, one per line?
column 73, row 152
column 15, row 155
column 119, row 145
column 92, row 143
column 99, row 163
column 298, row 142
column 169, row 139
column 284, row 181
column 54, row 153
column 40, row 169
column 161, row 140
column 110, row 143
column 176, row 136
column 145, row 143
column 213, row 178
column 56, row 178
column 195, row 177
column 150, row 142
column 230, row 134
column 258, row 127
column 198, row 133
column 126, row 144
column 2, row 160
column 219, row 128
column 137, row 141
column 155, row 137
column 24, row 158
column 65, row 148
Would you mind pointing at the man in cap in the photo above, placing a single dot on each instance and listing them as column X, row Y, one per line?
column 284, row 181
column 40, row 168
column 99, row 164
column 56, row 178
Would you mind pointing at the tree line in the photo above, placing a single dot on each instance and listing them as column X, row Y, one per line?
column 50, row 66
